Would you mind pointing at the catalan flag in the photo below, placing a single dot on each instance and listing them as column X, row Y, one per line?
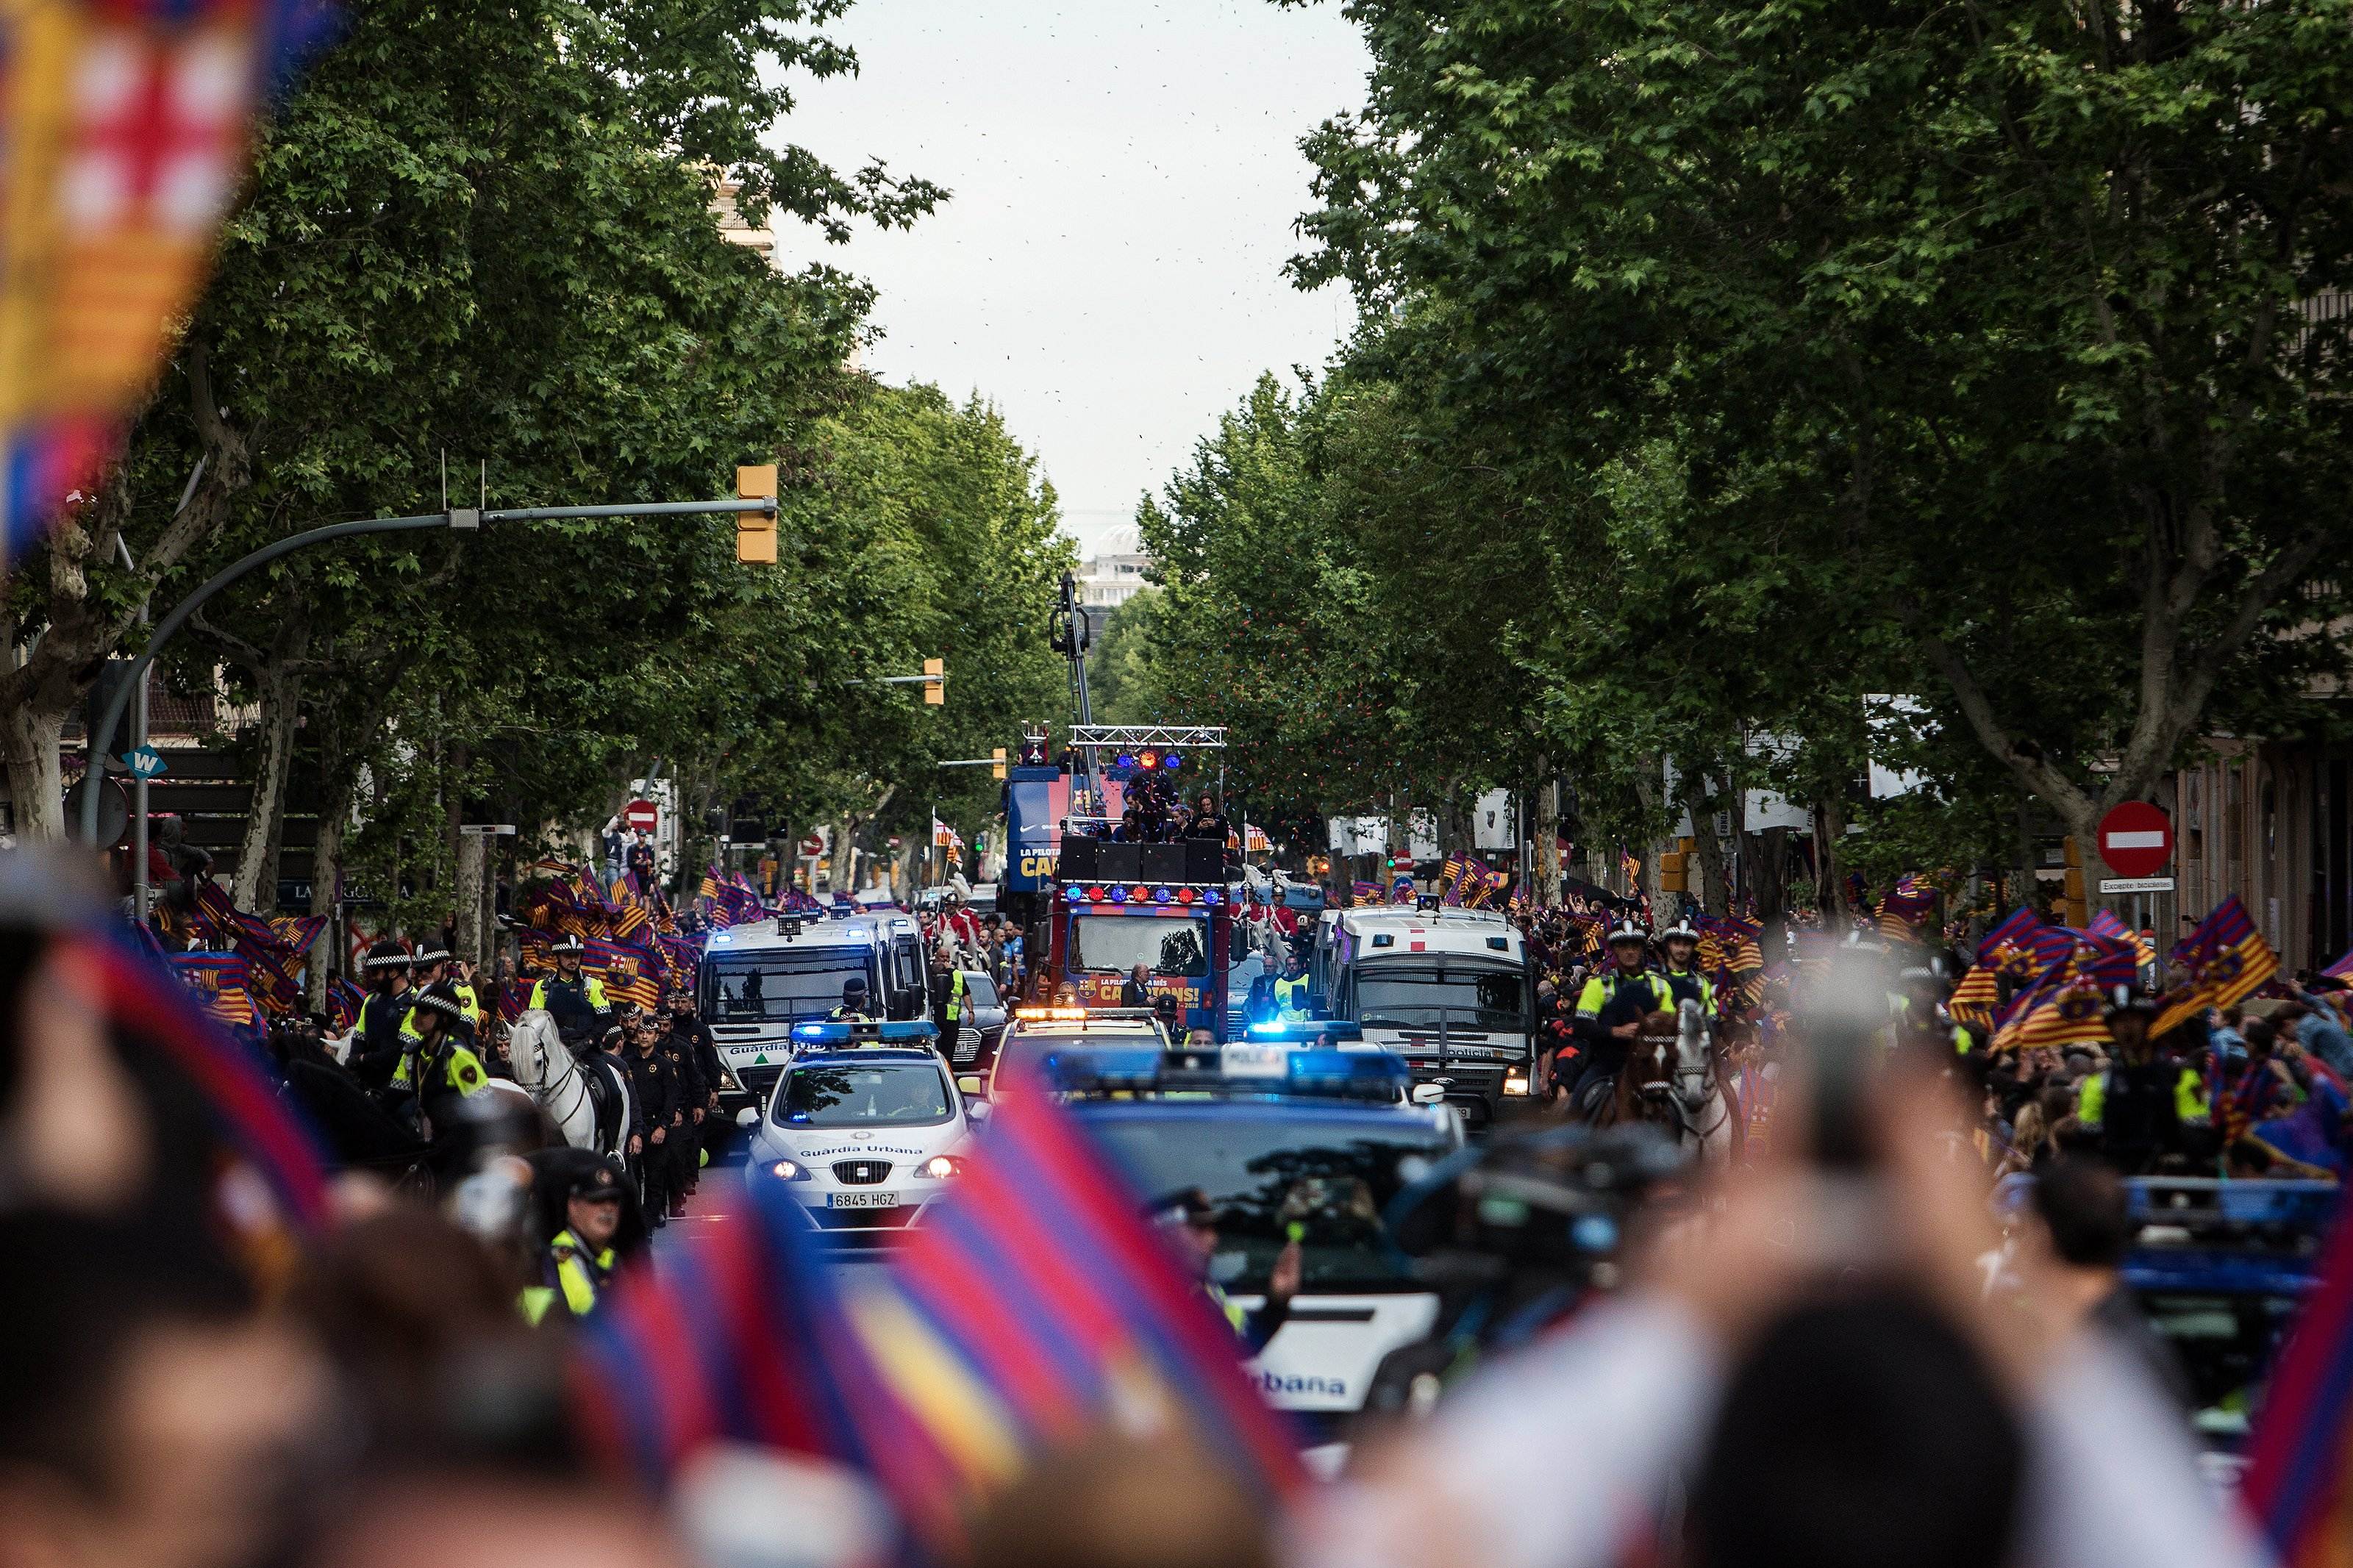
column 1450, row 878
column 2301, row 1452
column 1631, row 867
column 1521, row 900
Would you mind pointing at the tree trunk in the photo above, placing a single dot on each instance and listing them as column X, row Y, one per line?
column 1830, row 876
column 1707, row 848
column 326, row 872
column 279, row 690
column 36, row 781
column 1547, row 834
column 2024, row 893
column 1771, row 860
column 472, row 852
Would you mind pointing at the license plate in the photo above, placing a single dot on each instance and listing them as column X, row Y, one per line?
column 864, row 1200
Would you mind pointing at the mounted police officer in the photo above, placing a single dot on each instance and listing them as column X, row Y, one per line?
column 1611, row 1007
column 435, row 1063
column 377, row 1041
column 575, row 1000
column 1681, row 943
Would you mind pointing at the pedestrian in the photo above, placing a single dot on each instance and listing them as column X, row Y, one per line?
column 654, row 1086
column 684, row 1144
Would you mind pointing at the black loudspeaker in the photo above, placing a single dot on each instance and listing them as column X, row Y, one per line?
column 1079, row 859
column 1205, row 860
column 1160, row 862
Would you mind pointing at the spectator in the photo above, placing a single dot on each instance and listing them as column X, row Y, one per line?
column 2318, row 1031
column 2082, row 1234
column 1136, row 990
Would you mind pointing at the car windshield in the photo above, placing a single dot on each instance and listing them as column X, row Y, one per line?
column 897, row 1094
column 1271, row 1178
column 1023, row 1050
column 981, row 989
column 1113, row 945
column 781, row 986
column 1423, row 996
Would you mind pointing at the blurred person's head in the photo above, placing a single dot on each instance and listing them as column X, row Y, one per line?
column 490, row 1519
column 1856, row 1432
column 150, row 1417
column 1189, row 1222
column 2081, row 1203
column 1124, row 1502
column 2260, row 1036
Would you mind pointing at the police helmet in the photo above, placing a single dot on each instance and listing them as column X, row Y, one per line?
column 567, row 945
column 430, row 951
column 1681, row 927
column 853, row 990
column 597, row 1183
column 387, row 955
column 1628, row 930
column 1187, row 1205
column 442, row 997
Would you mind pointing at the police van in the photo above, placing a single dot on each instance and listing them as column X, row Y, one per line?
column 1450, row 990
column 1286, row 1145
column 759, row 979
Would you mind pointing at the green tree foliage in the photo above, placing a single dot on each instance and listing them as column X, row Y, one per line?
column 1980, row 351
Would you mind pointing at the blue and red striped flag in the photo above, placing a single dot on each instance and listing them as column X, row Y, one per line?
column 343, row 1003
column 2225, row 957
column 2302, row 1448
column 630, row 974
column 222, row 984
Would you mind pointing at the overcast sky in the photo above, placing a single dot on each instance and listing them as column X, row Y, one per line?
column 1125, row 177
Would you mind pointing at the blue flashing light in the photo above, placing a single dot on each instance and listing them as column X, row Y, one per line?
column 720, row 939
column 1126, row 760
column 1161, row 895
column 1119, row 895
column 1211, row 895
column 1170, row 760
column 1306, row 1033
column 1073, row 895
column 1373, row 1072
column 852, row 1031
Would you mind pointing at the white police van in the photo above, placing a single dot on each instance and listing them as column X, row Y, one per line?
column 863, row 1127
column 758, row 980
column 1452, row 991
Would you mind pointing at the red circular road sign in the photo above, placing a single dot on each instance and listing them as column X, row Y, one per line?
column 2135, row 839
column 640, row 816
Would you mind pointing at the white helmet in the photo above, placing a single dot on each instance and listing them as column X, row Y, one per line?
column 1628, row 930
column 1681, row 927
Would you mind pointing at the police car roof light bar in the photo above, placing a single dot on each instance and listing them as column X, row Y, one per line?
column 866, row 1031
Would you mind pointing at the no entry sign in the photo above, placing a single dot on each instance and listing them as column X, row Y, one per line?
column 639, row 816
column 2135, row 839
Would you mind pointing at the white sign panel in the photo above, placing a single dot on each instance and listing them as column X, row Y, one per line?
column 1495, row 823
column 2136, row 884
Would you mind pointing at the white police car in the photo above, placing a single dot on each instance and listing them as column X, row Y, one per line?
column 864, row 1128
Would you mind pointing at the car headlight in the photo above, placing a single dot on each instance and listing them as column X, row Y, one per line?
column 727, row 1079
column 1515, row 1084
column 789, row 1170
column 940, row 1167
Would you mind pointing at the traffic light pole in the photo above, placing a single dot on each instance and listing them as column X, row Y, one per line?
column 459, row 520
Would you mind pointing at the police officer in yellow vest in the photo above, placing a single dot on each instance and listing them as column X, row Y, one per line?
column 949, row 997
column 575, row 1000
column 1613, row 1004
column 1189, row 1221
column 579, row 1261
column 853, row 1003
column 434, row 1060
column 1680, row 942
column 1290, row 993
column 430, row 966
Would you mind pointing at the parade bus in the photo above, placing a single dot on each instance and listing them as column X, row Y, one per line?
column 1450, row 990
column 1099, row 906
column 758, row 979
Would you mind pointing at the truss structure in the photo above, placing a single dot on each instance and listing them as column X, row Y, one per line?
column 1145, row 737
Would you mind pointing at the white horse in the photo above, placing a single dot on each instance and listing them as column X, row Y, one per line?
column 1707, row 1113
column 543, row 1066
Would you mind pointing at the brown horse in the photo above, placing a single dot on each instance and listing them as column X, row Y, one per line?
column 1676, row 1080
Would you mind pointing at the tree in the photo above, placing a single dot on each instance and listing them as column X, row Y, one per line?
column 2013, row 320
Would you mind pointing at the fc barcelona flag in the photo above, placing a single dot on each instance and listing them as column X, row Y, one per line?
column 222, row 981
column 2060, row 1014
column 514, row 996
column 1450, row 878
column 343, row 1003
column 2226, row 959
column 1975, row 998
column 630, row 974
column 2302, row 1450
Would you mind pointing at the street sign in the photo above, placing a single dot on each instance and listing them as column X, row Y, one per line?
column 812, row 844
column 640, row 816
column 2136, row 884
column 2135, row 839
column 143, row 763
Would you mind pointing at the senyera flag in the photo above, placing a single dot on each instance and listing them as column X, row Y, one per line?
column 126, row 127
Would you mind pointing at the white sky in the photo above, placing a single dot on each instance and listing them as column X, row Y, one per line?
column 1124, row 178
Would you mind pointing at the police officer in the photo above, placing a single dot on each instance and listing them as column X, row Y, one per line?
column 1187, row 1219
column 1291, row 991
column 653, row 1084
column 575, row 1000
column 684, row 1144
column 854, row 1002
column 948, row 1004
column 2132, row 1105
column 1615, row 1001
column 437, row 1066
column 1680, row 942
column 376, row 1042
column 578, row 1262
column 693, row 1038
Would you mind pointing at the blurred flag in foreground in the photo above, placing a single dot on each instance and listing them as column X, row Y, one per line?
column 2298, row 1459
column 125, row 127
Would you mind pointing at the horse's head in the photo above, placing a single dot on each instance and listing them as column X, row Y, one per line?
column 1649, row 1074
column 1692, row 1066
column 530, row 1040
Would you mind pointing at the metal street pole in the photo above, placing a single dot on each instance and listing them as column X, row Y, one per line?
column 462, row 520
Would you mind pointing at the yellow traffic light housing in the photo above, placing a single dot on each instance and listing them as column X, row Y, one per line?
column 755, row 531
column 997, row 761
column 935, row 682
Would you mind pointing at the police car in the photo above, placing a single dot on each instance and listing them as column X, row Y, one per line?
column 1036, row 1033
column 863, row 1127
column 1288, row 1144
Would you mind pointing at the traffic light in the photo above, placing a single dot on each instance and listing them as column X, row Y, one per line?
column 755, row 531
column 996, row 764
column 936, row 683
